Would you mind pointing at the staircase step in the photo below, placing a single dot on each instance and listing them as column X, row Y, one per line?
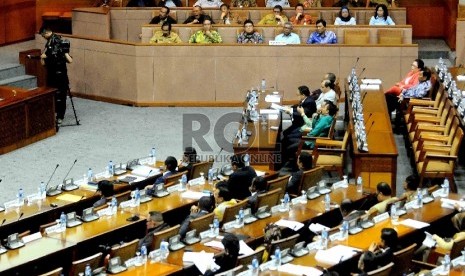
column 24, row 81
column 10, row 70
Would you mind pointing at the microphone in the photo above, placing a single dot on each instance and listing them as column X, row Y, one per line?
column 355, row 64
column 69, row 170
column 371, row 126
column 363, row 97
column 361, row 73
column 148, row 175
column 216, row 156
column 369, row 116
column 1, row 180
column 20, row 216
column 49, row 191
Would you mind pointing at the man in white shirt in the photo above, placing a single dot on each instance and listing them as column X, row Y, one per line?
column 288, row 36
column 327, row 94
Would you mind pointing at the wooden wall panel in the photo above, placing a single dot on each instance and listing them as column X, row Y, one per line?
column 450, row 29
column 2, row 22
column 58, row 6
column 20, row 21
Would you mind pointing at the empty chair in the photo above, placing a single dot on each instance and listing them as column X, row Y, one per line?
column 402, row 260
column 330, row 154
column 270, row 198
column 158, row 237
column 310, row 178
column 357, row 37
column 247, row 259
column 55, row 272
column 382, row 271
column 124, row 196
column 284, row 243
column 202, row 223
column 80, row 265
column 278, row 183
column 231, row 211
column 389, row 36
column 125, row 251
column 197, row 168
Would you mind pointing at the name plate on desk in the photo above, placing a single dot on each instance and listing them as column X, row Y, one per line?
column 127, row 204
column 439, row 193
column 104, row 212
column 411, row 205
column 381, row 217
column 229, row 225
column 101, row 175
column 174, row 188
column 275, row 209
column 32, row 198
column 12, row 204
column 197, row 181
column 276, row 43
column 340, row 184
column 55, row 229
column 32, row 237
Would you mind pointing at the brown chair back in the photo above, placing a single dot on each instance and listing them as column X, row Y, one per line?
column 382, row 271
column 230, row 212
column 174, row 178
column 284, row 243
column 389, row 36
column 310, row 178
column 197, row 168
column 45, row 226
column 358, row 37
column 125, row 251
column 124, row 196
column 158, row 237
column 80, row 265
column 247, row 259
column 55, row 272
column 456, row 249
column 279, row 183
column 270, row 198
column 202, row 223
column 402, row 260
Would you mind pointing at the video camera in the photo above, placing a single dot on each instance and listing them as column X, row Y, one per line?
column 58, row 47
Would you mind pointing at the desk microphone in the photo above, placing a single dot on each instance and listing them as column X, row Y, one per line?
column 356, row 62
column 363, row 97
column 361, row 73
column 216, row 156
column 20, row 216
column 368, row 119
column 371, row 126
column 49, row 191
column 69, row 170
column 148, row 175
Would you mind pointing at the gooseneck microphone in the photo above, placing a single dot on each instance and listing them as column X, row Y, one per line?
column 69, row 170
column 49, row 191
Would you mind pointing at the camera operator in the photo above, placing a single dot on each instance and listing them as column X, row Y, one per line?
column 54, row 58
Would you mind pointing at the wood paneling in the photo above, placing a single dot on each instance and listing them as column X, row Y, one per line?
column 58, row 6
column 19, row 19
column 2, row 22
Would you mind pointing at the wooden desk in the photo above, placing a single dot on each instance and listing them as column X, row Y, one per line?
column 379, row 164
column 26, row 116
column 150, row 268
column 36, row 257
column 263, row 145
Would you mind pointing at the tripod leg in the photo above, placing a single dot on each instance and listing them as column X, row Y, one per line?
column 72, row 105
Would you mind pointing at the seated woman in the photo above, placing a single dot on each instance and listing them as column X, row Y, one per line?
column 381, row 16
column 205, row 206
column 206, row 35
column 344, row 17
column 105, row 188
column 170, row 164
column 410, row 80
column 366, row 263
column 411, row 184
column 383, row 252
column 272, row 233
column 310, row 3
column 188, row 160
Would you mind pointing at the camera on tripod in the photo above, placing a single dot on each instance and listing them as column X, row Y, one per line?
column 59, row 48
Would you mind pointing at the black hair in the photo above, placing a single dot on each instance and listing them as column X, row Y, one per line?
column 224, row 5
column 44, row 28
column 221, row 183
column 368, row 260
column 207, row 203
column 412, row 182
column 167, row 9
column 171, row 163
column 224, row 193
column 260, row 183
column 304, row 90
column 191, row 153
column 166, row 23
column 390, row 238
column 197, row 6
column 322, row 21
column 238, row 160
column 426, row 73
column 421, row 64
column 347, row 206
column 332, row 109
column 384, row 188
column 106, row 187
column 231, row 244
column 331, row 77
column 278, row 7
column 248, row 21
column 385, row 11
column 299, row 5
column 306, row 159
column 345, row 19
column 327, row 83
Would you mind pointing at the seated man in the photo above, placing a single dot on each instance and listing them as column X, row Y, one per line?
column 228, row 17
column 165, row 36
column 309, row 107
column 383, row 195
column 321, row 35
column 241, row 179
column 208, row 3
column 106, row 190
column 305, row 163
column 163, row 16
column 205, row 206
column 206, row 35
column 301, row 18
column 189, row 158
column 249, row 35
column 228, row 260
column 327, row 94
column 288, row 36
column 170, row 169
column 223, row 199
column 244, row 3
column 348, row 211
column 332, row 79
column 197, row 16
column 259, row 186
column 275, row 18
column 274, row 3
column 155, row 224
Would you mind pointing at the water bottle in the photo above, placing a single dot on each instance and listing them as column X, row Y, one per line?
column 419, row 198
column 286, row 201
column 111, row 168
column 21, row 196
column 345, row 230
column 210, row 176
column 164, row 251
column 184, row 182
column 327, row 203
column 246, row 159
column 324, row 239
column 303, row 197
column 263, row 85
column 42, row 192
column 153, row 155
column 255, row 266
column 446, row 263
column 216, row 226
column 88, row 270
column 137, row 197
column 445, row 187
column 143, row 253
column 63, row 221
column 394, row 215
column 359, row 184
column 114, row 205
column 277, row 256
column 241, row 217
column 90, row 175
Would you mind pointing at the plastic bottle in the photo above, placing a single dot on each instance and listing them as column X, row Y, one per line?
column 303, row 197
column 216, row 226
column 42, row 192
column 359, row 184
column 445, row 186
column 184, row 182
column 20, row 196
column 246, row 159
column 63, row 221
column 419, row 198
column 143, row 253
column 324, row 239
column 137, row 197
column 345, row 230
column 277, row 256
column 263, row 85
column 114, row 205
column 446, row 263
column 287, row 200
column 327, row 203
column 241, row 217
column 90, row 175
column 88, row 270
column 210, row 176
column 255, row 266
column 111, row 168
column 164, row 250
column 394, row 215
column 153, row 156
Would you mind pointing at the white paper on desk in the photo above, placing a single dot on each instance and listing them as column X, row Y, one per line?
column 273, row 117
column 277, row 106
column 269, row 111
column 202, row 260
column 244, row 249
column 294, row 225
column 414, row 223
column 272, row 99
column 461, row 77
column 32, row 237
column 192, row 195
column 215, row 244
column 145, row 171
column 336, row 254
column 372, row 81
column 369, row 86
column 260, row 173
column 450, row 203
column 429, row 241
column 317, row 228
column 299, row 270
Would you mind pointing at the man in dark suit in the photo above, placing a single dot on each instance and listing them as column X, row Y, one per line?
column 259, row 186
column 305, row 163
column 205, row 206
column 241, row 179
column 155, row 224
column 307, row 103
